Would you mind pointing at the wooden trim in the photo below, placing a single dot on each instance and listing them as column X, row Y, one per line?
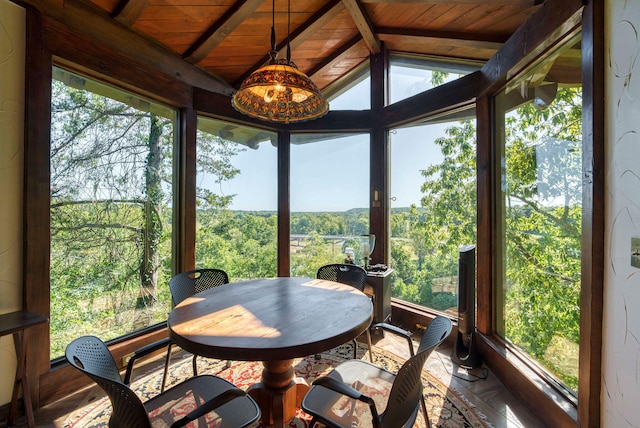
column 485, row 216
column 284, row 205
column 593, row 224
column 379, row 161
column 36, row 290
column 184, row 214
column 525, row 383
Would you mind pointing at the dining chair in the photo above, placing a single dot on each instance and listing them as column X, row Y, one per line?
column 356, row 390
column 406, row 334
column 182, row 286
column 206, row 398
column 352, row 275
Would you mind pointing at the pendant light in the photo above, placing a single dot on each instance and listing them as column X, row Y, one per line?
column 278, row 91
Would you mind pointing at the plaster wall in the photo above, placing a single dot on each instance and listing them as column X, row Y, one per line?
column 12, row 71
column 621, row 323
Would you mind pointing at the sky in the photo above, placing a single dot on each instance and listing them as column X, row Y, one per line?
column 332, row 175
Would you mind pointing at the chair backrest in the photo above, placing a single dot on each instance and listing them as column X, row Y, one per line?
column 344, row 273
column 404, row 397
column 90, row 355
column 186, row 284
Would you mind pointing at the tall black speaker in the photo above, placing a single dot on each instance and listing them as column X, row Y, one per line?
column 465, row 352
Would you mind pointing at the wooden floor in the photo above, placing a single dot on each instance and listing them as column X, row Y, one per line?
column 490, row 398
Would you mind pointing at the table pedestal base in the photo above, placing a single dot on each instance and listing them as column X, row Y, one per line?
column 279, row 394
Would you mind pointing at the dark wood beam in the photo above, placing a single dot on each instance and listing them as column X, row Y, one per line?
column 128, row 11
column 446, row 38
column 284, row 203
column 219, row 106
column 485, row 213
column 224, row 26
column 379, row 160
column 36, row 207
column 553, row 21
column 362, row 21
column 434, row 101
column 594, row 57
column 336, row 122
column 107, row 65
column 94, row 22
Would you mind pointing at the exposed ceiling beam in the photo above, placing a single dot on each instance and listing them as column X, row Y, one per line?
column 453, row 39
column 89, row 19
column 362, row 21
column 128, row 11
column 217, row 32
column 300, row 34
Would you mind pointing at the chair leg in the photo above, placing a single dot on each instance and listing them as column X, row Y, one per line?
column 195, row 366
column 355, row 349
column 167, row 361
column 369, row 345
column 424, row 412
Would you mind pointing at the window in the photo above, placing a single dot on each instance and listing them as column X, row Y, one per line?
column 354, row 96
column 433, row 208
column 111, row 209
column 236, row 206
column 329, row 199
column 410, row 75
column 540, row 147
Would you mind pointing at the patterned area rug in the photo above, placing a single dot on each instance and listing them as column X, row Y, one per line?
column 446, row 408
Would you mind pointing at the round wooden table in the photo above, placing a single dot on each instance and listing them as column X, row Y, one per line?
column 273, row 321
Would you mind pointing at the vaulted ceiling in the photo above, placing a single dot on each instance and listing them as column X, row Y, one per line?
column 228, row 39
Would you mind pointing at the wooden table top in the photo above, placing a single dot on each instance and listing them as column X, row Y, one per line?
column 270, row 319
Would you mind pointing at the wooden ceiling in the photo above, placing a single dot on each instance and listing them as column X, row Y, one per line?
column 228, row 39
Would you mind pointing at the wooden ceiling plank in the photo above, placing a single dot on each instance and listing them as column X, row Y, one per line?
column 362, row 21
column 215, row 34
column 453, row 39
column 312, row 25
column 335, row 56
column 319, row 19
column 128, row 11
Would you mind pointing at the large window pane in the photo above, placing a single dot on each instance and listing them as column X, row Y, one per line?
column 329, row 199
column 433, row 208
column 236, row 211
column 111, row 209
column 540, row 146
